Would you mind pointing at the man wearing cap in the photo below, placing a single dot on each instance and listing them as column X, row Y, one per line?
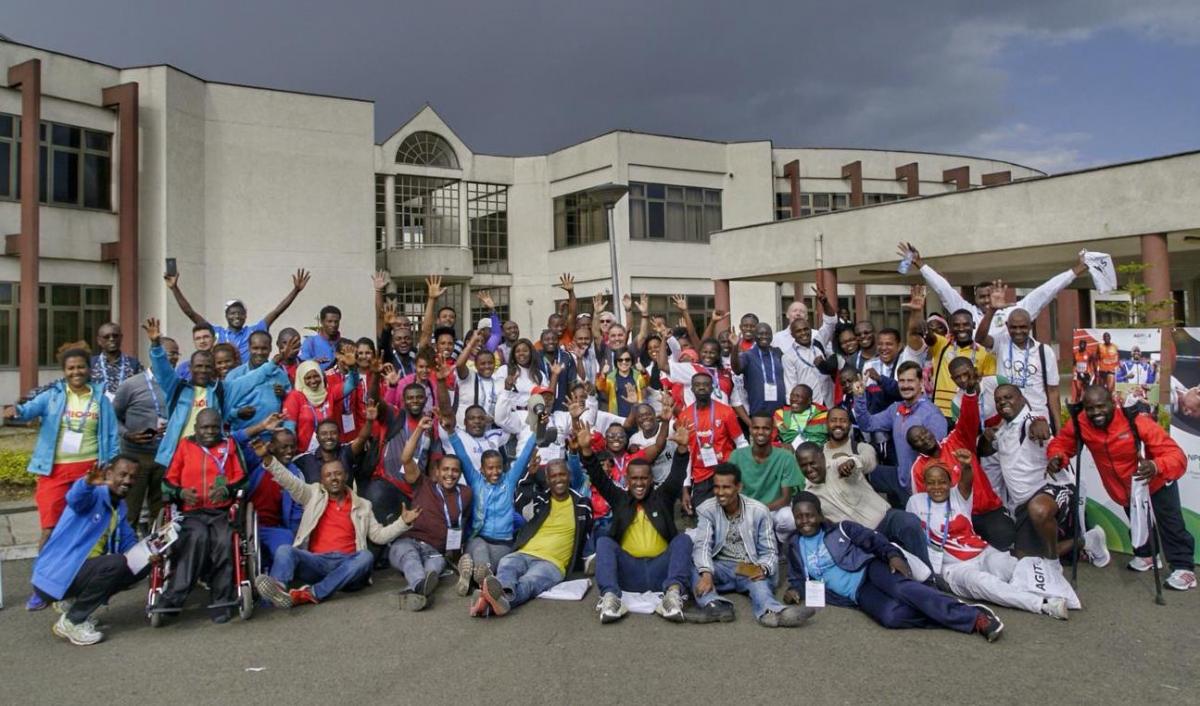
column 237, row 332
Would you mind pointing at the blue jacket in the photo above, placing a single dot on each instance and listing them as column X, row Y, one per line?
column 897, row 419
column 850, row 546
column 49, row 406
column 86, row 518
column 261, row 397
column 169, row 381
column 493, row 503
column 290, row 511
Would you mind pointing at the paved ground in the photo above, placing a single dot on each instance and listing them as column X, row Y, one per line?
column 361, row 649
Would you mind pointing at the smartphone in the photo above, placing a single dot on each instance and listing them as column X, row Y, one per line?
column 172, row 268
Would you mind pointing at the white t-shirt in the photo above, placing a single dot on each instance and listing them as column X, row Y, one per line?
column 524, row 384
column 488, row 388
column 955, row 534
column 1023, row 460
column 492, row 439
column 662, row 463
column 1023, row 368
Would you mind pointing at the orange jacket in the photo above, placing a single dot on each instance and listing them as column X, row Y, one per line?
column 1115, row 455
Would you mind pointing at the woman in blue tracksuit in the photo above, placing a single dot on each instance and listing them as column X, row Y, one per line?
column 856, row 567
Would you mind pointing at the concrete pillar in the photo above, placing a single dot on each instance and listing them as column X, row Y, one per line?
column 1068, row 320
column 721, row 295
column 124, row 99
column 853, row 172
column 389, row 211
column 860, row 302
column 828, row 280
column 995, row 178
column 960, row 176
column 910, row 175
column 791, row 170
column 28, row 75
column 1157, row 278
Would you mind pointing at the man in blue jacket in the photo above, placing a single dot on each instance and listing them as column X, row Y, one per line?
column 255, row 404
column 83, row 563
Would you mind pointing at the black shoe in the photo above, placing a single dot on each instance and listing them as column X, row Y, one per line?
column 988, row 624
column 715, row 612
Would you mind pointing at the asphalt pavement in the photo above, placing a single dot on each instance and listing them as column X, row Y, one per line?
column 361, row 649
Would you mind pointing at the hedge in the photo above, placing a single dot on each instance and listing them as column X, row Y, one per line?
column 12, row 469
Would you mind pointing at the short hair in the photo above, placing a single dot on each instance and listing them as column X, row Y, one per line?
column 366, row 341
column 805, row 496
column 165, row 339
column 839, row 409
column 227, row 348
column 889, row 331
column 490, row 454
column 768, row 417
column 958, row 362
column 344, row 343
column 451, row 457
column 121, row 457
column 331, row 422
column 640, row 461
column 802, row 386
column 909, row 365
column 444, row 331
column 985, row 284
column 75, row 353
column 449, row 309
column 963, row 312
column 286, row 333
column 728, row 469
column 702, row 375
column 200, row 354
column 284, row 431
column 809, row 446
column 261, row 334
column 1009, row 385
column 413, row 386
column 329, row 309
column 752, row 316
column 205, row 326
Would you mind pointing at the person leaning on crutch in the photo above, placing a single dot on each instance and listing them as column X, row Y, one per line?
column 1125, row 447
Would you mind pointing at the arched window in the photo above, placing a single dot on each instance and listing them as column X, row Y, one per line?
column 427, row 150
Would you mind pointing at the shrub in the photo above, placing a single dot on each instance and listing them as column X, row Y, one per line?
column 12, row 469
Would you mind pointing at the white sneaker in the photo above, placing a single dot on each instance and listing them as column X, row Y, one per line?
column 1181, row 580
column 1095, row 545
column 77, row 633
column 589, row 565
column 611, row 608
column 1143, row 563
column 1055, row 608
column 671, row 605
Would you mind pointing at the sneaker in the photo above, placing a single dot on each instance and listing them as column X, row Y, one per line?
column 493, row 593
column 466, row 567
column 770, row 619
column 302, row 595
column 273, row 591
column 480, row 573
column 1095, row 545
column 715, row 612
column 1143, row 563
column 794, row 616
column 671, row 605
column 611, row 608
column 1055, row 608
column 414, row 601
column 35, row 602
column 987, row 623
column 62, row 607
column 479, row 608
column 430, row 583
column 1181, row 580
column 589, row 565
column 76, row 633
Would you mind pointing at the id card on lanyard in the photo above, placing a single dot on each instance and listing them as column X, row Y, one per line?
column 348, row 424
column 937, row 552
column 454, row 531
column 770, row 388
column 708, row 454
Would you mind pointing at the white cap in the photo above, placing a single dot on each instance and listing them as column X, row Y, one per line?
column 484, row 323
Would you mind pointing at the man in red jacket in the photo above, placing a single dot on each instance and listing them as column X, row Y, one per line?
column 205, row 474
column 1123, row 455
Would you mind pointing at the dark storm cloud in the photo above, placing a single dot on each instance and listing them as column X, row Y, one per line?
column 526, row 77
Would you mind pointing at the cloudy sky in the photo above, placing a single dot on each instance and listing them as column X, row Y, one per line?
column 1055, row 84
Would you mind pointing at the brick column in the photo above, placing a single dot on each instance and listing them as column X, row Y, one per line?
column 1157, row 278
column 791, row 170
column 1068, row 320
column 853, row 172
column 28, row 75
column 910, row 175
column 960, row 176
column 124, row 99
column 828, row 280
column 860, row 302
column 721, row 295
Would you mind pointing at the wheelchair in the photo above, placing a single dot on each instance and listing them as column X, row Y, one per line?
column 246, row 557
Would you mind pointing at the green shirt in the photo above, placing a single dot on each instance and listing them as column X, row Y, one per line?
column 762, row 481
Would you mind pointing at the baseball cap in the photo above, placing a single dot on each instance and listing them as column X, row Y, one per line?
column 540, row 390
column 233, row 302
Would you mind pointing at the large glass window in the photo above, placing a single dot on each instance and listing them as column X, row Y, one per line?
column 578, row 220
column 667, row 212
column 380, row 211
column 410, row 297
column 426, row 211
column 886, row 310
column 68, row 313
column 75, row 164
column 783, row 205
column 869, row 199
column 426, row 149
column 700, row 308
column 487, row 214
column 499, row 298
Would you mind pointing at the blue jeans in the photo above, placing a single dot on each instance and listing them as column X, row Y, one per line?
column 904, row 528
column 887, row 480
column 616, row 570
column 524, row 576
column 725, row 578
column 599, row 529
column 271, row 539
column 414, row 559
column 327, row 573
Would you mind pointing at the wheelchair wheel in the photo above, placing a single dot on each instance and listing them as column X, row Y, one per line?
column 245, row 600
column 253, row 550
column 156, row 618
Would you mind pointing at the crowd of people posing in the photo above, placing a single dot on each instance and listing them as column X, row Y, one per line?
column 908, row 473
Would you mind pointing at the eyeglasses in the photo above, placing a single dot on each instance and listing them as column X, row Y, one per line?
column 624, row 360
column 110, row 335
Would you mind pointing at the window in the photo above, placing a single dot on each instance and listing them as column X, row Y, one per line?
column 812, row 204
column 426, row 212
column 700, row 308
column 667, row 212
column 578, row 220
column 410, row 297
column 886, row 311
column 67, row 313
column 783, row 206
column 380, row 211
column 75, row 164
column 499, row 298
column 785, row 300
column 487, row 216
column 869, row 199
column 427, row 150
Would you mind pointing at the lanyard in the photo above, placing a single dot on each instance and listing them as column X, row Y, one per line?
column 763, row 365
column 446, row 508
column 317, row 417
column 153, row 396
column 796, row 347
column 219, row 463
column 489, row 398
column 974, row 350
column 1024, row 367
column 620, row 466
column 712, row 422
column 400, row 358
column 945, row 523
column 83, row 419
column 545, row 366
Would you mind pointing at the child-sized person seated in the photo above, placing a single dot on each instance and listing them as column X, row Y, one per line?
column 203, row 479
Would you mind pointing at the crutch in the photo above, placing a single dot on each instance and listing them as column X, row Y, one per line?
column 1155, row 544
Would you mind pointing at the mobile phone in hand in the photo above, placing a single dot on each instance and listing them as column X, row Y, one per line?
column 172, row 267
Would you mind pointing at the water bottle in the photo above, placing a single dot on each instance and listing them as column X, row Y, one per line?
column 905, row 264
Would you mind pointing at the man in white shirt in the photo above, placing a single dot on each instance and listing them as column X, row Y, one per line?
column 480, row 386
column 476, row 435
column 1021, row 360
column 796, row 310
column 650, row 430
column 804, row 357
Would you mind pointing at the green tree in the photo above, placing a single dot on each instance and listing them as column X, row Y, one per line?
column 1139, row 311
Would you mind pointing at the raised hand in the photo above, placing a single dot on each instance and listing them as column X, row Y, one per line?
column 680, row 302
column 273, row 422
column 576, row 409
column 288, row 350
column 172, row 281
column 391, row 313
column 556, row 369
column 719, row 315
column 370, row 410
column 380, row 280
column 904, row 249
column 390, row 376
column 153, row 332
column 631, row 393
column 643, row 304
column 566, row 282
column 916, row 298
column 819, row 293
column 682, row 435
column 667, row 413
column 626, row 302
column 95, row 475
column 485, row 299
column 433, row 286
column 598, row 303
column 425, row 424
column 300, row 279
column 260, row 449
column 998, row 294
column 963, row 456
column 583, row 437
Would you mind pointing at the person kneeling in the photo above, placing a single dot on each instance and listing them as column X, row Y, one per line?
column 330, row 551
column 735, row 550
column 643, row 551
column 82, row 564
column 547, row 546
column 849, row 565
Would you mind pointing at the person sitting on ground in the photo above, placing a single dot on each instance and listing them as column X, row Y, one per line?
column 970, row 567
column 549, row 544
column 79, row 429
column 642, row 550
column 445, row 506
column 330, row 551
column 1129, row 448
column 83, row 563
column 204, row 478
column 769, row 473
column 852, row 566
column 735, row 550
column 653, row 437
column 475, row 432
column 802, row 420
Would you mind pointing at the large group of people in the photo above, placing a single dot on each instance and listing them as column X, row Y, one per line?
column 907, row 473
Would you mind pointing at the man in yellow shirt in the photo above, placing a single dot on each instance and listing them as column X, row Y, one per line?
column 942, row 350
column 546, row 547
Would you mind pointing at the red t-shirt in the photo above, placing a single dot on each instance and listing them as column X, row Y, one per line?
column 716, row 426
column 335, row 530
column 616, row 472
column 268, row 501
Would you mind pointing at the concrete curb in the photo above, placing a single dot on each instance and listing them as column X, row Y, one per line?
column 21, row 551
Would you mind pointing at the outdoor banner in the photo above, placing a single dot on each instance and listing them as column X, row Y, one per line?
column 1127, row 361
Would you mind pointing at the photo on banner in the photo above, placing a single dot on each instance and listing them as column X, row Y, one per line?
column 1186, row 430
